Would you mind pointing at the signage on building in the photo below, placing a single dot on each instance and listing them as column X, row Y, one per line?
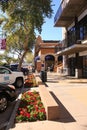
column 2, row 44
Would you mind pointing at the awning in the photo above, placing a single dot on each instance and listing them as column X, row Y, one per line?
column 73, row 49
column 37, row 58
column 49, row 57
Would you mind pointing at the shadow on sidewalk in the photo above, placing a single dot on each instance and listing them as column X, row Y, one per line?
column 52, row 81
column 65, row 116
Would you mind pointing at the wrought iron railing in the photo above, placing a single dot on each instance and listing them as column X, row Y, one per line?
column 67, row 43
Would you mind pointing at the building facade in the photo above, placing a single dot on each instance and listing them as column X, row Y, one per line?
column 45, row 54
column 72, row 17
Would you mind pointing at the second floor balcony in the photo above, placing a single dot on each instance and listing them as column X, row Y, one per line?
column 72, row 46
column 67, row 11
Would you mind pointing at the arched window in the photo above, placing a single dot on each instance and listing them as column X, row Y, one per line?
column 49, row 61
column 60, row 59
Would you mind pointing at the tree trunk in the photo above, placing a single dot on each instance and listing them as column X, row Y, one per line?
column 21, row 60
column 25, row 46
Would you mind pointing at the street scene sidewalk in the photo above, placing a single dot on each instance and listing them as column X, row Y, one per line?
column 72, row 100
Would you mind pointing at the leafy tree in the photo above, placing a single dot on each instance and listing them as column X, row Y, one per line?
column 6, row 58
column 24, row 17
column 29, row 57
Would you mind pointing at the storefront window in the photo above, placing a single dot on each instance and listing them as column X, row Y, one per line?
column 85, row 66
column 78, row 34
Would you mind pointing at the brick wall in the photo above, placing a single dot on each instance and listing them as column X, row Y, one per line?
column 47, row 50
column 44, row 48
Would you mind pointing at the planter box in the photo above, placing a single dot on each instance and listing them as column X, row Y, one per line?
column 51, row 106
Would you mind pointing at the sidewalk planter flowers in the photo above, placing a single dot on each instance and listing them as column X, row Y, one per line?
column 31, row 108
column 30, row 81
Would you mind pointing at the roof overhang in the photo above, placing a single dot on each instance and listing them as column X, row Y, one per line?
column 73, row 49
column 67, row 11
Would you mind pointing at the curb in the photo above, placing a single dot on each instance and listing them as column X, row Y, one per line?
column 11, row 120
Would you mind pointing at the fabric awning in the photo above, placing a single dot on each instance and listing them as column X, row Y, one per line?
column 37, row 58
column 49, row 57
column 76, row 48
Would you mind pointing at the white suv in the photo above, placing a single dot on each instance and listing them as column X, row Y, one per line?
column 10, row 77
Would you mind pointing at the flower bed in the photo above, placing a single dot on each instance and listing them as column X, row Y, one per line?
column 31, row 108
column 30, row 81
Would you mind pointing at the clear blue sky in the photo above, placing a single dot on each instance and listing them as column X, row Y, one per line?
column 49, row 32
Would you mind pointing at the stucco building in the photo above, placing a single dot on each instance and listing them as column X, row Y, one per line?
column 72, row 16
column 45, row 54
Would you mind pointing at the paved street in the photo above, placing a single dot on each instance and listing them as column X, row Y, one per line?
column 5, row 116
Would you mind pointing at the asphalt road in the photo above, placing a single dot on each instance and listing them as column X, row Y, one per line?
column 5, row 116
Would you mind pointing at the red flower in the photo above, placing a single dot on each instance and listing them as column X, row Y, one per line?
column 21, row 112
column 43, row 110
column 27, row 115
column 31, row 108
column 20, row 109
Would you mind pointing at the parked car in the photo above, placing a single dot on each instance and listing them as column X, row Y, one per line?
column 7, row 93
column 11, row 77
column 25, row 71
column 14, row 67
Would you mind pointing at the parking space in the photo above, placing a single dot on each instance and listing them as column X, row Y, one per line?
column 5, row 116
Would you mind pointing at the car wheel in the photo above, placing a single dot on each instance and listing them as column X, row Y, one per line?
column 3, row 103
column 19, row 83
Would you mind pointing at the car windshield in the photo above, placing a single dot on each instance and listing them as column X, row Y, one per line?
column 4, row 71
column 14, row 67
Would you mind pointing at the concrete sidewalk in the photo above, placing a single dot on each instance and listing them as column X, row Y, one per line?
column 72, row 99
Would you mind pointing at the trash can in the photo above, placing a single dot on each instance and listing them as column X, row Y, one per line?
column 43, row 75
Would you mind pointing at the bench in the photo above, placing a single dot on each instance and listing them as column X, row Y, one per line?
column 51, row 106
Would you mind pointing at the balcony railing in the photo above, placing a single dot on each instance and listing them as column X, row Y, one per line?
column 67, row 43
column 62, row 47
column 58, row 49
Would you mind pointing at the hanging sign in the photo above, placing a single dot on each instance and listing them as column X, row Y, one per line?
column 3, row 44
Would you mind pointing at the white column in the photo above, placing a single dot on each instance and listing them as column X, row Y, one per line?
column 65, row 57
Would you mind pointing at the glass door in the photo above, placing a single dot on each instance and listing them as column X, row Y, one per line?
column 85, row 66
